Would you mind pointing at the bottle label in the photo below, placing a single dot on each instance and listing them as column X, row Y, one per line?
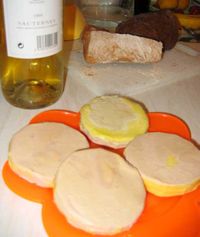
column 33, row 27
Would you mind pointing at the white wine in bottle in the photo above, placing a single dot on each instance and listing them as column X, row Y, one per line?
column 33, row 73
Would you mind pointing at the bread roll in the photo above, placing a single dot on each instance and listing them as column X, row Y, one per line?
column 105, row 47
column 161, row 25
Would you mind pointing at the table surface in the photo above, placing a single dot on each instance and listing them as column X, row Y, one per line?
column 22, row 218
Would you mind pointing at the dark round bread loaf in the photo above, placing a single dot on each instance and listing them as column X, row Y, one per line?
column 161, row 26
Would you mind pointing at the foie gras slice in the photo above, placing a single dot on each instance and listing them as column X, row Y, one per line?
column 169, row 164
column 37, row 150
column 99, row 192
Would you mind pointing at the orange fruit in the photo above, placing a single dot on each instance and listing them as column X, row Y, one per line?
column 167, row 4
column 183, row 4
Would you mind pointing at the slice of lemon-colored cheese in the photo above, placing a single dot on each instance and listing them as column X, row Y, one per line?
column 113, row 120
column 99, row 192
column 169, row 164
column 37, row 150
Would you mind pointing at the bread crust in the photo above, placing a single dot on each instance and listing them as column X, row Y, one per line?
column 161, row 26
column 100, row 46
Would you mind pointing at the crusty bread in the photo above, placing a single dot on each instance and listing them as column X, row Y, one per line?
column 161, row 25
column 100, row 46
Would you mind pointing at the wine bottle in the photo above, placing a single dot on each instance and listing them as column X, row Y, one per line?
column 33, row 74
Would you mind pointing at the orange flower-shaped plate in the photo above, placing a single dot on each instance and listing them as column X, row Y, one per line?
column 162, row 217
